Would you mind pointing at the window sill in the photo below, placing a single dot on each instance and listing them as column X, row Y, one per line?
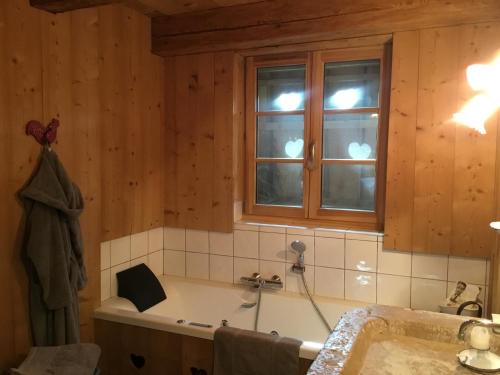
column 372, row 228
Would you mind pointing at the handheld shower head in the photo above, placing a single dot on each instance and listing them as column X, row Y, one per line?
column 298, row 246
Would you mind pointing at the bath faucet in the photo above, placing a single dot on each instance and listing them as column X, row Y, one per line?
column 299, row 247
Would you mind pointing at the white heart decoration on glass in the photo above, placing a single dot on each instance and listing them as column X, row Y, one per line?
column 294, row 148
column 359, row 152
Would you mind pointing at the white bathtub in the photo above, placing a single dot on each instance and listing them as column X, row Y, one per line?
column 209, row 302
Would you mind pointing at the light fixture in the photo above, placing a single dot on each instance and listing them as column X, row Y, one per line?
column 484, row 79
column 289, row 101
column 345, row 99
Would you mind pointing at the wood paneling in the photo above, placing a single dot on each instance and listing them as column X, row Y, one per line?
column 441, row 177
column 294, row 21
column 62, row 66
column 199, row 165
column 163, row 352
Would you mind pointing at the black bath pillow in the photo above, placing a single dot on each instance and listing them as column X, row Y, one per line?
column 140, row 286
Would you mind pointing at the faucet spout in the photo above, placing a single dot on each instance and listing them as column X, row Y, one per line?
column 481, row 323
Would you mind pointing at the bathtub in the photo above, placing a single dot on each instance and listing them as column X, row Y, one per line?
column 209, row 303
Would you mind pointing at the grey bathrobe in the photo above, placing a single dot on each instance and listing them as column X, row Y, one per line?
column 53, row 252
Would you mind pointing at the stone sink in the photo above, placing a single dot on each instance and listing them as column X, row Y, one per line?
column 391, row 340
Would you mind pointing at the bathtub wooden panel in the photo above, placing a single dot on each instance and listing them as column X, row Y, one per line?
column 164, row 352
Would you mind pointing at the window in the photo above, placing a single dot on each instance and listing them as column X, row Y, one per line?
column 315, row 136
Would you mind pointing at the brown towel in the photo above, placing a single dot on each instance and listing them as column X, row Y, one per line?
column 243, row 352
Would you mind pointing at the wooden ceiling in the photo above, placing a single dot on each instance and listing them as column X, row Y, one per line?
column 194, row 26
column 153, row 8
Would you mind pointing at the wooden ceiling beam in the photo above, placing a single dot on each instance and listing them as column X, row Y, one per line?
column 60, row 6
column 284, row 22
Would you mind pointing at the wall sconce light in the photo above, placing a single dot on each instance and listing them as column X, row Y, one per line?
column 485, row 80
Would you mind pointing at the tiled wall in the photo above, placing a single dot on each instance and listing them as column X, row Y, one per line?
column 340, row 264
column 122, row 253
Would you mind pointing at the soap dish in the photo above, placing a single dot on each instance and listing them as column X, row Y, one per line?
column 479, row 360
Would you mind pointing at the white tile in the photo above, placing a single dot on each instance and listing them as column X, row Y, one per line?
column 470, row 270
column 105, row 255
column 221, row 268
column 427, row 294
column 155, row 262
column 246, row 244
column 329, row 252
column 105, row 284
column 174, row 238
column 221, row 243
column 136, row 261
column 114, row 281
column 246, row 226
column 272, row 246
column 393, row 290
column 174, row 263
column 301, row 231
column 197, row 240
column 272, row 228
column 291, row 256
column 244, row 267
column 332, row 233
column 120, row 250
column 429, row 266
column 361, row 255
column 155, row 237
column 294, row 280
column 329, row 282
column 138, row 245
column 393, row 262
column 269, row 268
column 361, row 236
column 197, row 266
column 360, row 286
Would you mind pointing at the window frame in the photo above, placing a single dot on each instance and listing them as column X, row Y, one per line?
column 311, row 212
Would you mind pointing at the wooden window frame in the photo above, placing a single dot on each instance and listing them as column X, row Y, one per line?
column 311, row 214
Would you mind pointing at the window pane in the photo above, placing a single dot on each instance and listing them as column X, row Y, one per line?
column 350, row 136
column 351, row 84
column 280, row 184
column 280, row 136
column 281, row 88
column 349, row 187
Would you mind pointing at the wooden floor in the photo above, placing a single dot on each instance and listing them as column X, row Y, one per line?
column 155, row 352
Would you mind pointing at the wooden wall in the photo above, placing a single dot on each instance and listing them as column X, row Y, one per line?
column 441, row 186
column 91, row 69
column 199, row 151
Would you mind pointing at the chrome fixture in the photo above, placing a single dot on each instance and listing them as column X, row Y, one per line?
column 259, row 282
column 479, row 358
column 299, row 247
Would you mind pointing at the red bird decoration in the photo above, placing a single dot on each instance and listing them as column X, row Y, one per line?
column 43, row 135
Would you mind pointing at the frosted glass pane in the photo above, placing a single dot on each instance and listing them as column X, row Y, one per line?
column 279, row 184
column 348, row 187
column 352, row 84
column 281, row 88
column 280, row 136
column 350, row 136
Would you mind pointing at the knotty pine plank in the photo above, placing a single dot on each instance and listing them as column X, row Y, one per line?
column 401, row 143
column 435, row 140
column 474, row 177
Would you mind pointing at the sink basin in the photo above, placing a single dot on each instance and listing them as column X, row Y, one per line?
column 391, row 340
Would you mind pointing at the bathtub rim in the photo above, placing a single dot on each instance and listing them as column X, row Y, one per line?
column 117, row 309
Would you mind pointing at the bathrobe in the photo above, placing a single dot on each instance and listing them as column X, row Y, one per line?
column 53, row 252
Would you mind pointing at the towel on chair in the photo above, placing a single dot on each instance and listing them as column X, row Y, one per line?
column 243, row 352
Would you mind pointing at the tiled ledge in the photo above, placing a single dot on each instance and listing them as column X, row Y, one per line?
column 339, row 263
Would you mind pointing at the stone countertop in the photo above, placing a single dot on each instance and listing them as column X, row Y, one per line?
column 359, row 330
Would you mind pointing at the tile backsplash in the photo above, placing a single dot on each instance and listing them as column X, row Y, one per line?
column 340, row 264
